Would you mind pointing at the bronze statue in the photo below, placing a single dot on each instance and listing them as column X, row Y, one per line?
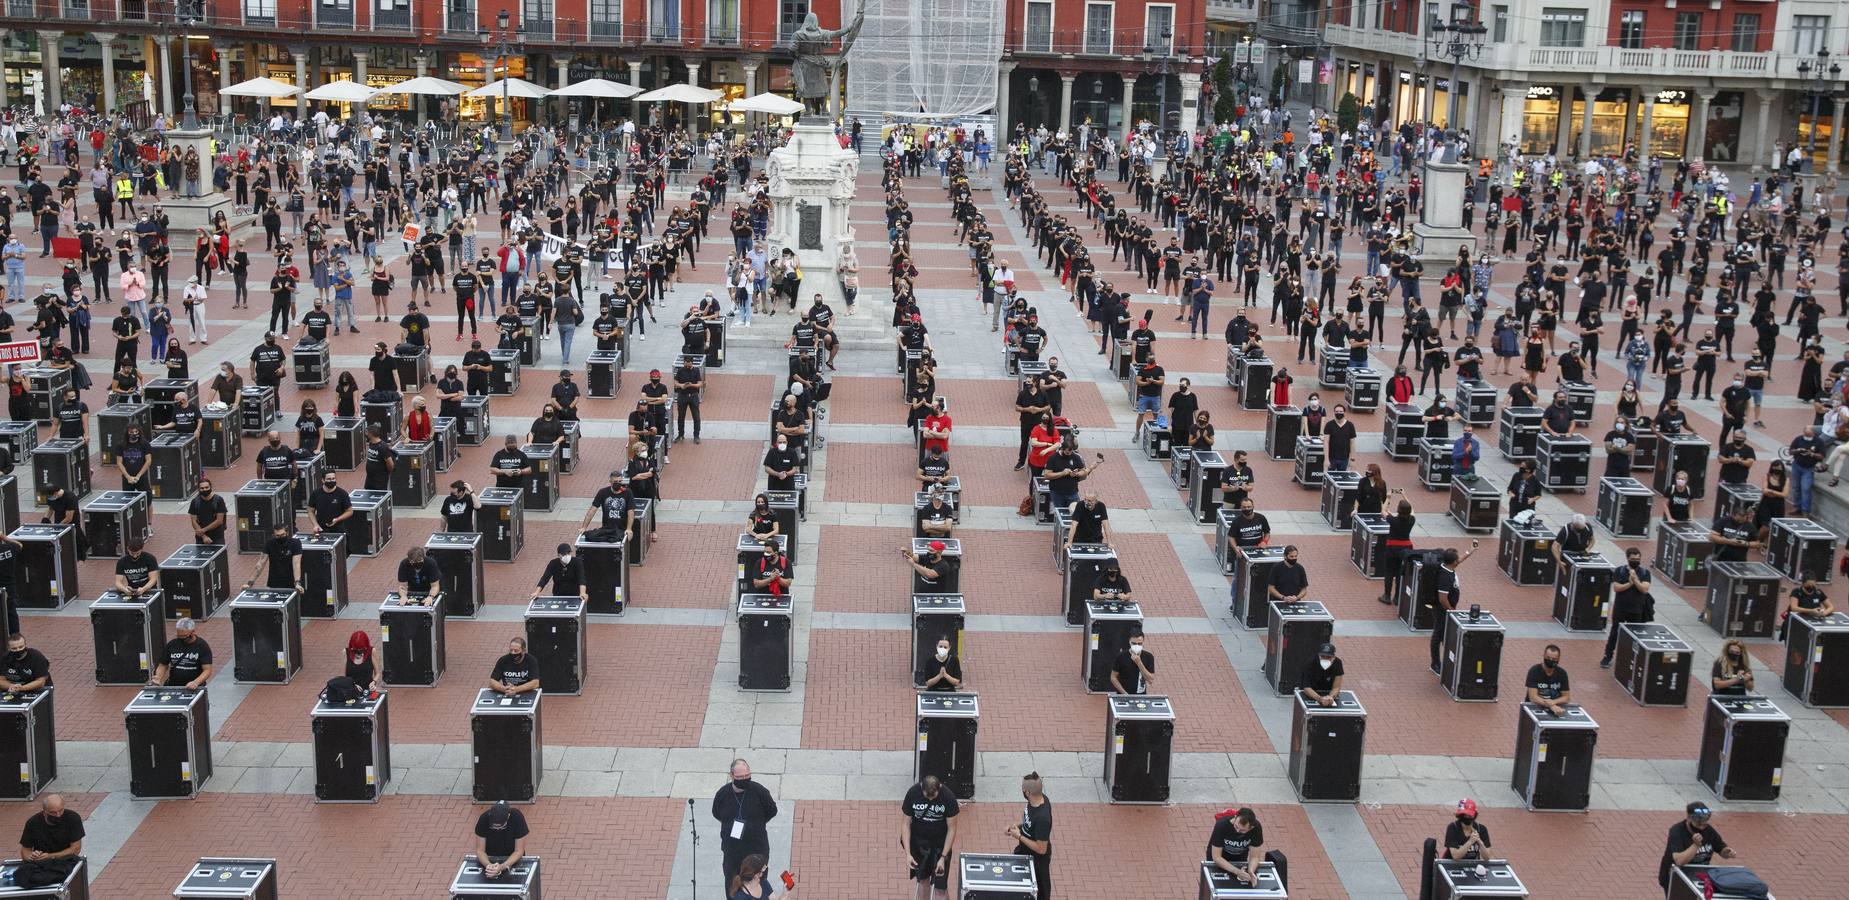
column 814, row 63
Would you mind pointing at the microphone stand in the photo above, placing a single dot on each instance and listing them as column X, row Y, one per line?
column 693, row 856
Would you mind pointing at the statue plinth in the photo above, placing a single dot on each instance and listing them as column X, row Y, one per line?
column 189, row 213
column 811, row 188
column 1440, row 230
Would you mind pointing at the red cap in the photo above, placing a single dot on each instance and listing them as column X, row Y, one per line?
column 1144, row 323
column 937, row 546
column 654, row 373
column 917, row 318
column 1467, row 807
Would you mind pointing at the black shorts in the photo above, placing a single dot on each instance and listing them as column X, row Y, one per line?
column 924, row 866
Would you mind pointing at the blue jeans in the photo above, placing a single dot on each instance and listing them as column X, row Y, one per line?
column 565, row 333
column 15, row 285
column 1634, row 372
column 1197, row 314
column 510, row 288
column 1801, row 480
column 345, row 303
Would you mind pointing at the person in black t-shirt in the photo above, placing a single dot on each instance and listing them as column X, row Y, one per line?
column 1692, row 842
column 186, row 661
column 1034, row 836
column 949, row 674
column 687, row 384
column 1547, row 682
column 1321, row 678
column 384, row 369
column 1288, row 581
column 479, row 366
column 380, row 460
column 458, row 509
column 137, row 572
column 282, row 559
column 52, row 841
column 500, row 839
column 516, row 672
column 1736, row 459
column 1446, row 595
column 1574, row 537
column 1338, row 439
column 24, row 669
column 1733, row 537
column 135, row 460
column 1112, row 585
column 509, row 465
column 1091, row 521
column 930, row 811
column 418, row 576
column 1631, row 600
column 565, row 573
column 1134, row 672
column 266, row 362
column 936, row 518
column 1230, row 846
column 1465, row 837
column 332, row 505
column 208, row 515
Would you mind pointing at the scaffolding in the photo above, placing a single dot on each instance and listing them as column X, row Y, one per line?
column 931, row 57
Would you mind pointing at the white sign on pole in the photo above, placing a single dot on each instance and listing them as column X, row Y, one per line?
column 1306, row 71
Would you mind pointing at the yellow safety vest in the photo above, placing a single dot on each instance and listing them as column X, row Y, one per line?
column 1519, row 175
column 125, row 188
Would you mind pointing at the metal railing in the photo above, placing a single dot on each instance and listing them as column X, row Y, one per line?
column 1122, row 42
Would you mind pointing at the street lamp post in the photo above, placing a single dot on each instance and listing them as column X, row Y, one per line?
column 1456, row 40
column 186, row 12
column 1159, row 50
column 1819, row 82
column 499, row 38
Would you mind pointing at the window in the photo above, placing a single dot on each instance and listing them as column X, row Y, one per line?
column 1745, row 33
column 607, row 18
column 260, row 10
column 1499, row 16
column 1431, row 15
column 1098, row 20
column 1037, row 36
column 459, row 16
column 1809, row 34
column 1159, row 25
column 664, row 20
column 722, row 21
column 1631, row 29
column 1563, row 27
column 536, row 17
column 789, row 18
column 1688, row 31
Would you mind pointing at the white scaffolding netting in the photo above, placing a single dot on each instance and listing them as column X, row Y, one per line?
column 936, row 57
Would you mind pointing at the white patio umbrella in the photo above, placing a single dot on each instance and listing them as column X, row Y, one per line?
column 598, row 87
column 428, row 86
column 772, row 104
column 342, row 92
column 261, row 87
column 680, row 93
column 515, row 87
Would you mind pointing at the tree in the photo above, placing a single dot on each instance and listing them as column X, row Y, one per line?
column 1348, row 113
column 1226, row 98
column 1280, row 83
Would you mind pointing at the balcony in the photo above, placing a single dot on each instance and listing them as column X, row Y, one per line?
column 395, row 17
column 1232, row 11
column 663, row 33
column 460, row 20
column 537, row 29
column 1378, row 41
column 1662, row 62
column 1074, row 42
column 1290, row 28
column 605, row 32
column 722, row 35
column 329, row 15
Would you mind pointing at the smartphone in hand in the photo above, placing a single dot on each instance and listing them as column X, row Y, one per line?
column 789, row 881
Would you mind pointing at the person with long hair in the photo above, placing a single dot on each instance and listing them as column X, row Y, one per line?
column 753, row 882
column 1733, row 670
column 360, row 665
column 1371, row 494
column 1399, row 543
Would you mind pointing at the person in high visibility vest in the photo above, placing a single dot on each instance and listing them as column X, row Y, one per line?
column 125, row 193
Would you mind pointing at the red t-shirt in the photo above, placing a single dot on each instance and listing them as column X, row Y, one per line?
column 1038, row 458
column 937, row 422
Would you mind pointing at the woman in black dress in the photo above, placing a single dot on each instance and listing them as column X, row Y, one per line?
column 360, row 665
column 1399, row 543
column 346, row 392
column 1810, row 376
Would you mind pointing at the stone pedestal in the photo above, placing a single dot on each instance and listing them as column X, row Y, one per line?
column 811, row 186
column 190, row 213
column 1440, row 230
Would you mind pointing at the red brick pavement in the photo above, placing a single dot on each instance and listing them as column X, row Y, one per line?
column 859, row 570
column 1152, row 851
column 1161, row 584
column 690, row 566
column 875, row 401
column 86, row 711
column 989, row 479
column 393, row 848
column 1393, row 679
column 1616, row 853
column 676, row 661
column 859, row 691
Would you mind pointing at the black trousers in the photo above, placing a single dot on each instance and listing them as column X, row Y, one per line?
column 687, row 402
column 1619, row 616
column 732, row 854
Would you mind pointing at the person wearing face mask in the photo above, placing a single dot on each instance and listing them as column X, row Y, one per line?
column 1134, row 672
column 480, row 367
column 1034, row 836
column 565, row 572
column 1574, row 537
column 50, row 845
column 687, row 384
column 1733, row 537
column 781, row 465
column 641, row 473
column 186, row 661
column 1679, row 503
column 516, row 672
column 509, row 465
column 459, row 507
column 418, row 425
column 1807, row 599
column 773, row 571
column 1692, row 842
column 500, row 839
column 929, row 835
column 655, row 398
column 937, row 518
column 1736, row 459
column 1338, row 439
column 614, row 506
column 1631, row 601
column 73, row 417
column 1465, row 837
column 380, row 460
column 360, row 665
column 1091, row 521
column 743, row 809
column 1620, row 443
column 25, row 669
column 1182, row 406
column 1288, row 581
column 267, row 361
column 1112, row 586
column 418, row 576
column 135, row 460
column 207, row 511
column 762, row 524
column 1557, row 419
column 332, row 505
column 934, row 569
column 1320, row 682
column 1032, row 405
column 450, row 391
column 1465, row 451
column 1524, row 489
column 275, row 462
column 1732, row 674
column 547, row 429
column 137, row 572
column 949, row 671
column 1236, row 832
column 1547, row 682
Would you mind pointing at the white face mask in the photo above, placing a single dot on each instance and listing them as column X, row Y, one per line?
column 782, row 446
column 1325, row 663
column 943, row 653
column 565, row 558
column 1136, row 648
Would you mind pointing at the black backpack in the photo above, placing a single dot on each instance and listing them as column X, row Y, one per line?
column 341, row 691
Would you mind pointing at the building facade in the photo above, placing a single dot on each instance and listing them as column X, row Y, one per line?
column 1106, row 63
column 125, row 54
column 1734, row 82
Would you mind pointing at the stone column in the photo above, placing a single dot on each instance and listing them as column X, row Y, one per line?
column 635, row 80
column 1514, row 101
column 563, row 66
column 1129, row 100
column 360, row 58
column 1429, row 102
column 834, row 92
column 1190, row 102
column 1065, row 100
column 224, row 81
column 107, row 42
column 1762, row 131
column 1003, row 75
column 750, row 67
column 423, row 68
column 1836, row 135
column 1698, row 124
column 1564, row 127
column 693, row 78
column 51, row 42
column 301, row 76
column 1585, row 123
column 1643, row 129
column 166, row 75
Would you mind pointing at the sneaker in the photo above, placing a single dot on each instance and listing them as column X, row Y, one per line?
column 1605, row 663
column 696, row 438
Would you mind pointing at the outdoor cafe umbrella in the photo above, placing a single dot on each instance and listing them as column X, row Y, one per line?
column 772, row 104
column 598, row 87
column 428, row 86
column 268, row 88
column 514, row 87
column 680, row 93
column 342, row 92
